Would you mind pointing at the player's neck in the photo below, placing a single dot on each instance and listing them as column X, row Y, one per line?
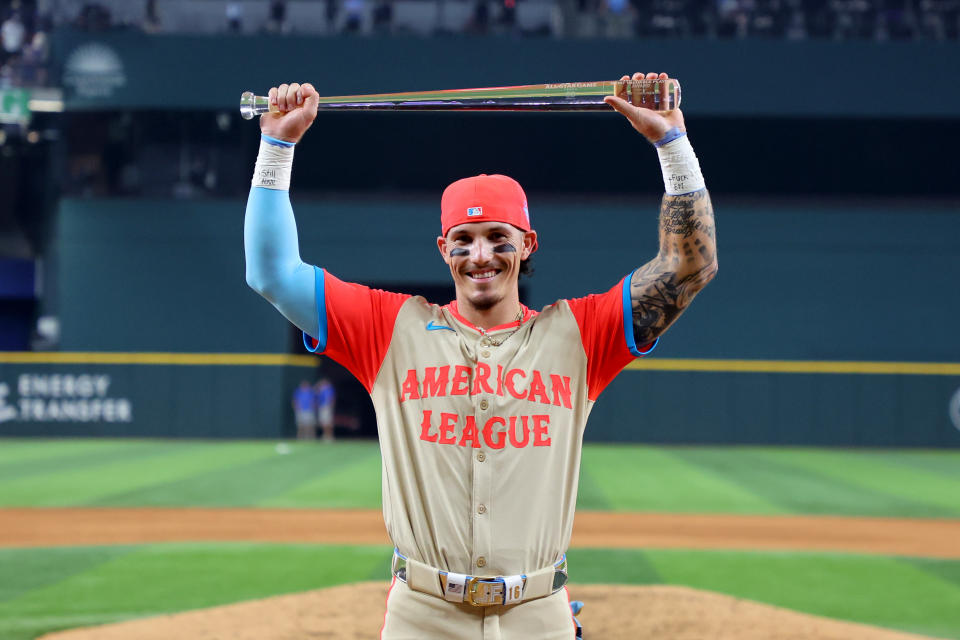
column 504, row 312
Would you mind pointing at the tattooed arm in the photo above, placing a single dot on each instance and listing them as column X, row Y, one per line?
column 661, row 289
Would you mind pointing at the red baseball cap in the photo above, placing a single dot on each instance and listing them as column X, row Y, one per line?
column 483, row 198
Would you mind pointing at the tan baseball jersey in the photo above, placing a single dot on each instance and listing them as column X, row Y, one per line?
column 480, row 431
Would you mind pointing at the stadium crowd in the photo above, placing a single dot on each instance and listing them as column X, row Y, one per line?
column 23, row 43
column 25, row 24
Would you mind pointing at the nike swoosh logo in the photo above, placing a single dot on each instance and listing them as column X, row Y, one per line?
column 431, row 326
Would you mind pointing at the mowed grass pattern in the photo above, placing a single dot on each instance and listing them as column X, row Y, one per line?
column 736, row 480
column 54, row 588
column 47, row 589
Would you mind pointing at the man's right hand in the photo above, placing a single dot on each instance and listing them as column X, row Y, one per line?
column 298, row 108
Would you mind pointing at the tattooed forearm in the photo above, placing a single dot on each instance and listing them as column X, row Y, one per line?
column 665, row 286
column 677, row 216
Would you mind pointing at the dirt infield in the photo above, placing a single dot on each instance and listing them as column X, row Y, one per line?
column 36, row 527
column 613, row 612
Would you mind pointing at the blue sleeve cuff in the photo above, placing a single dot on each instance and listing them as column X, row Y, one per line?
column 670, row 136
column 318, row 344
column 628, row 322
column 275, row 142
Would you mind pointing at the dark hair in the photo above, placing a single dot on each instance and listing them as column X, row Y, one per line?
column 526, row 267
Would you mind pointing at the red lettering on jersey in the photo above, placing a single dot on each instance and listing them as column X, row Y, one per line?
column 500, row 380
column 461, row 381
column 470, row 433
column 498, row 442
column 435, row 385
column 561, row 390
column 519, row 444
column 508, row 383
column 538, row 389
column 409, row 390
column 482, row 373
column 447, row 422
column 541, row 433
column 425, row 428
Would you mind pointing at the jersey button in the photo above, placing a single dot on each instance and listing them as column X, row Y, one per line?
column 485, row 353
column 482, row 508
column 486, row 342
column 481, row 561
column 484, row 404
column 481, row 456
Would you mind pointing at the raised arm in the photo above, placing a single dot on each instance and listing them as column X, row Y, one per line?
column 274, row 267
column 664, row 287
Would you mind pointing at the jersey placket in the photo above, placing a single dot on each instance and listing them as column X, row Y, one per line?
column 484, row 407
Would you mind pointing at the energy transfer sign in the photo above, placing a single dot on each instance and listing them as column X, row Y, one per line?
column 94, row 70
column 14, row 106
column 32, row 397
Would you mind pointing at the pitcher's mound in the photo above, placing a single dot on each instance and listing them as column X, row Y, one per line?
column 612, row 612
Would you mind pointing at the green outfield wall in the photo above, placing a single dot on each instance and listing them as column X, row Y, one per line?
column 666, row 401
column 806, row 336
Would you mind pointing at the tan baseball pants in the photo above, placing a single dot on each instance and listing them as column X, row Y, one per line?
column 412, row 615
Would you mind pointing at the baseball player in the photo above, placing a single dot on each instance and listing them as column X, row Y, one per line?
column 481, row 403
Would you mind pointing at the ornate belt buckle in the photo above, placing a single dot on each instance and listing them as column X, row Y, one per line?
column 484, row 593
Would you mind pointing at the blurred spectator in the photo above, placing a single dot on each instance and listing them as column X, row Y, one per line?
column 897, row 20
column 480, row 19
column 32, row 71
column 234, row 11
column 12, row 35
column 331, row 9
column 935, row 20
column 354, row 11
column 508, row 14
column 796, row 28
column 304, row 411
column 277, row 23
column 731, row 19
column 93, row 17
column 151, row 18
column 617, row 18
column 325, row 399
column 383, row 17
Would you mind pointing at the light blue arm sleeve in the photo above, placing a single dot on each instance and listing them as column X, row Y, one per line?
column 274, row 267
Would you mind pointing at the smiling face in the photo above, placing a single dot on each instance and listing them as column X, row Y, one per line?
column 484, row 260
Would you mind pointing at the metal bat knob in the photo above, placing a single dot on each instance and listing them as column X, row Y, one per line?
column 251, row 105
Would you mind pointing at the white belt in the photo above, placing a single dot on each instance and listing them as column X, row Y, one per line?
column 480, row 591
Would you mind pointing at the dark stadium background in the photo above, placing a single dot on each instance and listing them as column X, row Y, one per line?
column 829, row 152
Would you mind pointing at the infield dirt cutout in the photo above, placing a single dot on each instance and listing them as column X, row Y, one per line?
column 613, row 612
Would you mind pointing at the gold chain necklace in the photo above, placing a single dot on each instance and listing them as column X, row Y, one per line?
column 499, row 340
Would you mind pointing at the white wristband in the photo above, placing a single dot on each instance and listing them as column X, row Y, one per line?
column 681, row 170
column 274, row 165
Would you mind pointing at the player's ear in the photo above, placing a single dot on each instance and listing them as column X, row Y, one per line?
column 529, row 242
column 442, row 246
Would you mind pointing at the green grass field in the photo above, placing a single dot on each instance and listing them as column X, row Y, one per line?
column 54, row 588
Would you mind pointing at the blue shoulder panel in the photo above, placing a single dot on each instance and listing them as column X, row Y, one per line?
column 628, row 321
column 321, row 339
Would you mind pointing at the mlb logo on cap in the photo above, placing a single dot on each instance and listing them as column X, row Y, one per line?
column 475, row 211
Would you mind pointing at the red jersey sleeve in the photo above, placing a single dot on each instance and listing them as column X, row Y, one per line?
column 355, row 325
column 606, row 330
